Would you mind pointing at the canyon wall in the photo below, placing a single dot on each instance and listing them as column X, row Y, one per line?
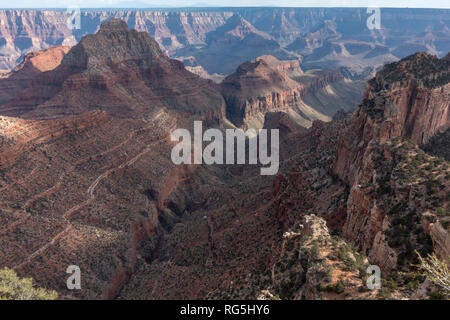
column 118, row 70
column 405, row 105
column 22, row 31
column 268, row 84
column 404, row 99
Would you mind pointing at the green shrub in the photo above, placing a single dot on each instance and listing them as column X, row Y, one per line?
column 339, row 287
column 14, row 288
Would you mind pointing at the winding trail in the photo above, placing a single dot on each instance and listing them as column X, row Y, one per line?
column 90, row 190
column 43, row 249
column 15, row 224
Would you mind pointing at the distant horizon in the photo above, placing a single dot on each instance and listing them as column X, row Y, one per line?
column 218, row 7
column 173, row 4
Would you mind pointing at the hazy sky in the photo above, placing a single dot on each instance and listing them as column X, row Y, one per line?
column 183, row 3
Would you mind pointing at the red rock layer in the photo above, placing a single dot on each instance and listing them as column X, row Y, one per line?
column 264, row 84
column 121, row 71
column 409, row 99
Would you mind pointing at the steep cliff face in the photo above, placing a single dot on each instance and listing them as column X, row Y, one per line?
column 22, row 31
column 98, row 188
column 409, row 98
column 121, row 71
column 392, row 181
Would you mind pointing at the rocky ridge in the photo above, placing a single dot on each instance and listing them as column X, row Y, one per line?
column 378, row 157
column 118, row 70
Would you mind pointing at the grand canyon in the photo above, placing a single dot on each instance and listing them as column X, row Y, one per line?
column 86, row 176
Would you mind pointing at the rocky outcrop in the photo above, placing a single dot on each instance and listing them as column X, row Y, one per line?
column 42, row 61
column 267, row 84
column 406, row 100
column 410, row 98
column 313, row 265
column 23, row 76
column 121, row 71
column 257, row 87
column 439, row 234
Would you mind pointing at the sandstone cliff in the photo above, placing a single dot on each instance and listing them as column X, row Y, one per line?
column 410, row 98
column 268, row 84
column 118, row 70
column 391, row 179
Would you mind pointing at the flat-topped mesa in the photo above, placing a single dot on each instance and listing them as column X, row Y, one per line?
column 257, row 87
column 291, row 67
column 253, row 76
column 409, row 98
